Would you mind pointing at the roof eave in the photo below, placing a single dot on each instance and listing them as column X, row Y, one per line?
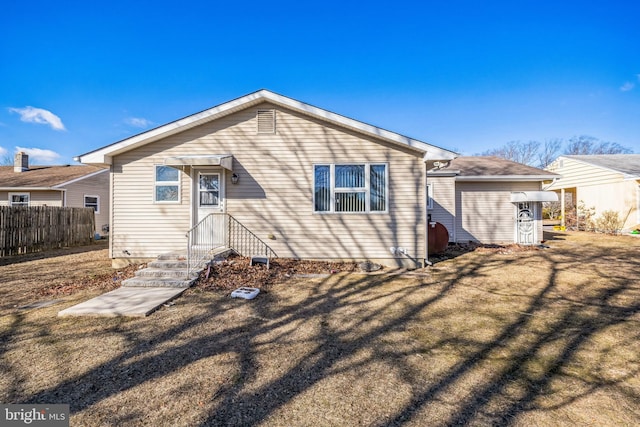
column 497, row 178
column 31, row 189
column 103, row 156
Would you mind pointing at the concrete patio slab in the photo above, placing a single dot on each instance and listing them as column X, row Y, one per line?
column 126, row 301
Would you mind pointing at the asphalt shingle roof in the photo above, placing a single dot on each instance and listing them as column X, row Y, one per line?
column 493, row 166
column 43, row 176
column 628, row 164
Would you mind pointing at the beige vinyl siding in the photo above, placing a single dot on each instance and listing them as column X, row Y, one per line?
column 600, row 188
column 444, row 202
column 484, row 212
column 576, row 173
column 274, row 195
column 96, row 185
column 36, row 198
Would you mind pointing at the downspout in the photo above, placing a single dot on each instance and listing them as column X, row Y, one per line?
column 425, row 190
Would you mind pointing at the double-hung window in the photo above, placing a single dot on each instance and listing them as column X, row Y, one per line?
column 167, row 184
column 19, row 199
column 92, row 202
column 355, row 188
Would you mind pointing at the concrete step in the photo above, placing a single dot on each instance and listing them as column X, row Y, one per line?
column 168, row 264
column 157, row 282
column 165, row 272
column 173, row 256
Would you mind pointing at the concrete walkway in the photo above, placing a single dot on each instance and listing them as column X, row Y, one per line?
column 126, row 301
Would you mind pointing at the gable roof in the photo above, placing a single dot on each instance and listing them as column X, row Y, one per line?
column 45, row 177
column 103, row 156
column 490, row 168
column 626, row 164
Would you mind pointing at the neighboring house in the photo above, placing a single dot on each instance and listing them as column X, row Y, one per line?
column 488, row 200
column 64, row 186
column 606, row 182
column 310, row 183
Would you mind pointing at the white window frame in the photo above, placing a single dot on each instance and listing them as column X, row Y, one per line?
column 366, row 189
column 157, row 183
column 97, row 208
column 20, row 194
column 219, row 204
column 430, row 195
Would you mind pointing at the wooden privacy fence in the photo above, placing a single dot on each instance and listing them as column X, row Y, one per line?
column 35, row 229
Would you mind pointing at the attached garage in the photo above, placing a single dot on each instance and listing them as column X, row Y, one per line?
column 496, row 200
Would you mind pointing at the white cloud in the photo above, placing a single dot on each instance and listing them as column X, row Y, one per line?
column 40, row 155
column 39, row 116
column 138, row 122
column 627, row 86
column 3, row 152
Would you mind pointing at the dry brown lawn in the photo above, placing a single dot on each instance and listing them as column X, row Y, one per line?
column 492, row 337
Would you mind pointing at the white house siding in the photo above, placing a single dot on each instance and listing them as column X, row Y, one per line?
column 600, row 188
column 444, row 202
column 274, row 195
column 95, row 185
column 484, row 212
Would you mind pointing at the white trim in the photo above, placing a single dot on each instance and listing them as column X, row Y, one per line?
column 497, row 178
column 366, row 189
column 224, row 160
column 198, row 189
column 429, row 195
column 533, row 196
column 84, row 201
column 165, row 184
column 81, row 178
column 15, row 193
column 104, row 155
column 26, row 189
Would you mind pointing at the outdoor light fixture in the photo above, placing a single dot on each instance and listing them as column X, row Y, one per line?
column 234, row 178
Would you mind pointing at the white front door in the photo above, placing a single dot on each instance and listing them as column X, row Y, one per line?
column 208, row 198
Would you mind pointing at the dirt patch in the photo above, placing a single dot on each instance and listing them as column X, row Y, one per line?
column 236, row 271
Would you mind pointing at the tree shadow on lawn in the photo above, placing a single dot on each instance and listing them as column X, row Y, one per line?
column 53, row 253
column 532, row 360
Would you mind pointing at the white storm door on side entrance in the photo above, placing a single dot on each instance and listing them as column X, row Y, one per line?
column 525, row 223
column 208, row 199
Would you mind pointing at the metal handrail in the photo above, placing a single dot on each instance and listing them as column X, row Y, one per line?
column 203, row 238
column 244, row 242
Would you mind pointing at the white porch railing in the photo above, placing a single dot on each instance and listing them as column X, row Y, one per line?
column 203, row 238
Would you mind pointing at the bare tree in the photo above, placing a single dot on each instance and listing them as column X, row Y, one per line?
column 549, row 152
column 585, row 144
column 533, row 153
column 517, row 151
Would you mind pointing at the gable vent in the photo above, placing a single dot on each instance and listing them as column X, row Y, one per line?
column 266, row 121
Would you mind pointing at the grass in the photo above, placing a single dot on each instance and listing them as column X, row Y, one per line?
column 546, row 337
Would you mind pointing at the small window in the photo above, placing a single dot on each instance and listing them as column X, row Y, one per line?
column 266, row 121
column 167, row 184
column 429, row 196
column 19, row 199
column 92, row 202
column 350, row 188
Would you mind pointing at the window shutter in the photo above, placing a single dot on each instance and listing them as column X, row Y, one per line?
column 266, row 121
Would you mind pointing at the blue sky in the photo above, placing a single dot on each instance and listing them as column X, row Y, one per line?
column 466, row 76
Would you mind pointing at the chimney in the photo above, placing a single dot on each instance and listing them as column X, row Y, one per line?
column 21, row 162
